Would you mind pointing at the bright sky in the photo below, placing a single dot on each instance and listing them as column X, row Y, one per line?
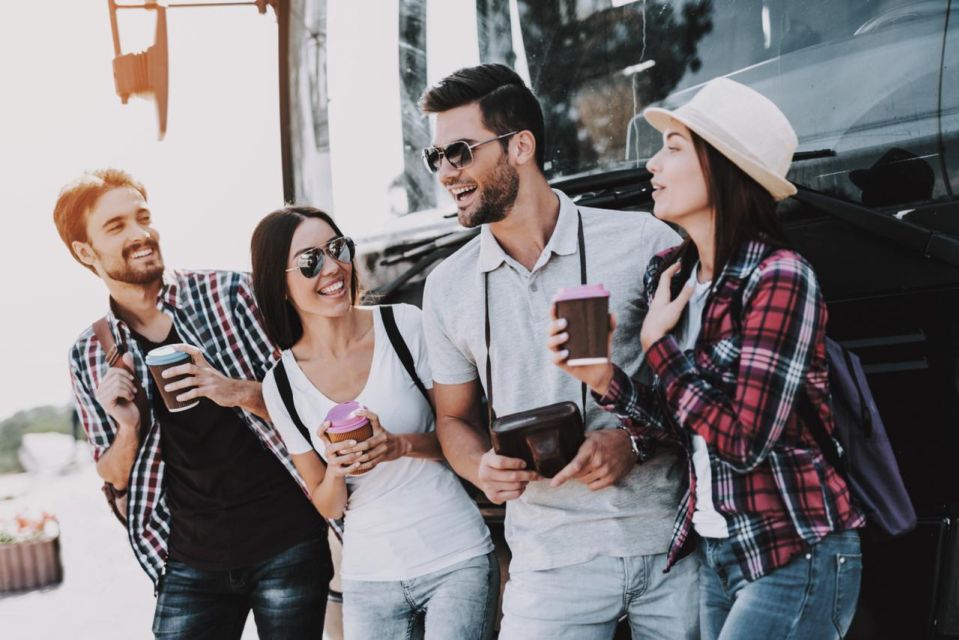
column 213, row 177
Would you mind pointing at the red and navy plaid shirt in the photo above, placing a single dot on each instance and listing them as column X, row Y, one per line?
column 762, row 344
column 214, row 311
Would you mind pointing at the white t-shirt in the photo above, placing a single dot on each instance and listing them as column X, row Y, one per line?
column 407, row 517
column 708, row 522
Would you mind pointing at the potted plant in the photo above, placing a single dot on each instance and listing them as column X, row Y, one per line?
column 29, row 552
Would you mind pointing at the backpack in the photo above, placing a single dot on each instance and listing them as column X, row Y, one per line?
column 858, row 449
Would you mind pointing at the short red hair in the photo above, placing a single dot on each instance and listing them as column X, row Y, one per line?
column 78, row 197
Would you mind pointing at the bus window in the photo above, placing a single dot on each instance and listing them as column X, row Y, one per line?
column 859, row 81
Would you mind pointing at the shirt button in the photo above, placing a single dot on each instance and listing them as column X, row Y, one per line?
column 808, row 556
column 842, row 561
column 533, row 287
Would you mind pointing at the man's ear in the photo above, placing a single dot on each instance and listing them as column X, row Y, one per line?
column 84, row 252
column 524, row 147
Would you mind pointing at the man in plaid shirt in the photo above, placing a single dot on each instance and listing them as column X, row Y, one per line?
column 216, row 516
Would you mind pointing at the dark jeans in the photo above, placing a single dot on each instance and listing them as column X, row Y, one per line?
column 286, row 593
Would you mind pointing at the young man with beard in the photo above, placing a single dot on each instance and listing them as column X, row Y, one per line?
column 588, row 546
column 217, row 516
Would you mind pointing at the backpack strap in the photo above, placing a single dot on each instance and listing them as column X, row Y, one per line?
column 827, row 443
column 402, row 351
column 286, row 394
column 114, row 355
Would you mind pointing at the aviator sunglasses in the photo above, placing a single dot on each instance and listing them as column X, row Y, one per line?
column 310, row 261
column 459, row 154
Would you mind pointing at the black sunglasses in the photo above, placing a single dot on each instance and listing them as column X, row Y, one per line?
column 459, row 154
column 310, row 261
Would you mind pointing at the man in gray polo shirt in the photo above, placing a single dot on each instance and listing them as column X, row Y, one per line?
column 592, row 549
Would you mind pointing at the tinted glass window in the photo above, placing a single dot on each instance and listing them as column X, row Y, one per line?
column 859, row 80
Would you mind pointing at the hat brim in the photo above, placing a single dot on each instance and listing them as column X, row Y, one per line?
column 777, row 186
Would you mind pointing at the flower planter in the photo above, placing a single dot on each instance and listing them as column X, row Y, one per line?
column 30, row 564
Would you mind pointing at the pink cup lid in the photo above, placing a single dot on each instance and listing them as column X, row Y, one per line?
column 581, row 292
column 342, row 418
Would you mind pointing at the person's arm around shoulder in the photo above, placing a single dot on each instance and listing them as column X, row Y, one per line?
column 209, row 382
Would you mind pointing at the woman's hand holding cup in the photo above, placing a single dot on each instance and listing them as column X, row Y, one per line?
column 342, row 458
column 596, row 376
column 384, row 446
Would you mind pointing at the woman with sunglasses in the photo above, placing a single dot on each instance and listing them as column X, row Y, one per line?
column 417, row 556
column 735, row 337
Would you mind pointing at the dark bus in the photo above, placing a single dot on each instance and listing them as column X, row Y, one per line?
column 872, row 89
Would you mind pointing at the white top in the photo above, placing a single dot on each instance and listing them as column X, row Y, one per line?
column 407, row 517
column 550, row 527
column 708, row 522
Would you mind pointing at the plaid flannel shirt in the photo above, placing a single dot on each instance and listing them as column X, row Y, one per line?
column 214, row 311
column 762, row 343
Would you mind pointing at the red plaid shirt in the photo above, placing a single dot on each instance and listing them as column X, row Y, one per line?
column 212, row 310
column 762, row 343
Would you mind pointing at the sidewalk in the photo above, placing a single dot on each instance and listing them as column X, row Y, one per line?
column 104, row 595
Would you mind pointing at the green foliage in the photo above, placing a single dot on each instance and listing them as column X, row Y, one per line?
column 36, row 420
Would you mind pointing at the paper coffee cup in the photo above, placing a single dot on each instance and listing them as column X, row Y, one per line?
column 345, row 425
column 159, row 360
column 586, row 310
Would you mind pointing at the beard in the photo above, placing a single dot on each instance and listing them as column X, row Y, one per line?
column 123, row 271
column 497, row 197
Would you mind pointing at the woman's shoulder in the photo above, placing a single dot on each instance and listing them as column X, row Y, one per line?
column 406, row 315
column 269, row 380
column 782, row 268
column 784, row 261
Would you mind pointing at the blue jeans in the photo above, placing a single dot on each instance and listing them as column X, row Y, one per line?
column 457, row 602
column 287, row 594
column 814, row 596
column 584, row 601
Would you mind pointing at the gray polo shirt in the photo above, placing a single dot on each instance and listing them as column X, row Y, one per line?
column 546, row 527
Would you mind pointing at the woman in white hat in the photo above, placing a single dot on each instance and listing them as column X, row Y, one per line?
column 735, row 334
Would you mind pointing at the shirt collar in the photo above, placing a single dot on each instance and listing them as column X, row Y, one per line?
column 169, row 296
column 564, row 240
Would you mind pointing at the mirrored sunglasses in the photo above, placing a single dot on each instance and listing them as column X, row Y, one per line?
column 310, row 262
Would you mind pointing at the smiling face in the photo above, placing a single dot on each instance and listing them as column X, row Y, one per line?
column 328, row 293
column 121, row 244
column 680, row 192
column 485, row 190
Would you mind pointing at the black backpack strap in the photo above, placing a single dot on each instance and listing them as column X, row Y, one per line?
column 286, row 393
column 827, row 443
column 399, row 346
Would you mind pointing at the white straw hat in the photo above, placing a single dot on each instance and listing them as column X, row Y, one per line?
column 743, row 125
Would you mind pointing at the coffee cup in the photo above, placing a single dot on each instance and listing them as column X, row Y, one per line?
column 586, row 310
column 345, row 425
column 159, row 360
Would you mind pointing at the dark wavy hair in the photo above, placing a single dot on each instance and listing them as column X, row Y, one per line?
column 269, row 251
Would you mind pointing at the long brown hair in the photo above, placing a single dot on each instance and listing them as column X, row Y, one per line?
column 269, row 250
column 744, row 211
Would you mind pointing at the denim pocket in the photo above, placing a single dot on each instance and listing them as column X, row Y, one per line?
column 848, row 577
